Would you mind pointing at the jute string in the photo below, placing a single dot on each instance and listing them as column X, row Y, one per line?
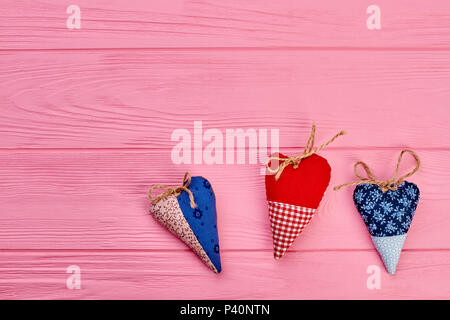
column 385, row 185
column 176, row 191
column 295, row 160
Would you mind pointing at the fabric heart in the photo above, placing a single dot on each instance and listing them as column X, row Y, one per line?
column 388, row 216
column 294, row 198
column 196, row 227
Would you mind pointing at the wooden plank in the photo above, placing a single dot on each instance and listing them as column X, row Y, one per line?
column 136, row 99
column 98, row 200
column 246, row 275
column 407, row 24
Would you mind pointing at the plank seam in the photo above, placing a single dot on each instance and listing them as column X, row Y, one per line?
column 272, row 48
column 144, row 149
column 224, row 250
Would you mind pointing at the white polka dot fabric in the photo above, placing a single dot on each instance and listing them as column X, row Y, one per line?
column 389, row 249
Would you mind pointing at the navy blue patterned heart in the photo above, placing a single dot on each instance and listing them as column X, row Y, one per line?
column 386, row 213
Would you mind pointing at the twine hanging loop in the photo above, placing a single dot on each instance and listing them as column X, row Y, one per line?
column 176, row 191
column 385, row 185
column 295, row 160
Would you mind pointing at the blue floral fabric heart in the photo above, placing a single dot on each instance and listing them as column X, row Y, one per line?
column 389, row 213
column 388, row 216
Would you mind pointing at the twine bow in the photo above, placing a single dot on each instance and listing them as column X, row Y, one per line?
column 391, row 184
column 176, row 191
column 295, row 160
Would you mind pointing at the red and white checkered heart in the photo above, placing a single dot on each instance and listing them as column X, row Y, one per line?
column 293, row 199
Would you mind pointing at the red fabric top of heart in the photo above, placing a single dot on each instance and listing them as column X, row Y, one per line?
column 303, row 186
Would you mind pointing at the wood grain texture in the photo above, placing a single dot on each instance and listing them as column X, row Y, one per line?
column 247, row 275
column 409, row 24
column 135, row 99
column 97, row 200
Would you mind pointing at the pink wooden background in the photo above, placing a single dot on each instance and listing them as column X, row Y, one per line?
column 86, row 118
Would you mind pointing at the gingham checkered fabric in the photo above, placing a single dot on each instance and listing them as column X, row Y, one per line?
column 288, row 222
